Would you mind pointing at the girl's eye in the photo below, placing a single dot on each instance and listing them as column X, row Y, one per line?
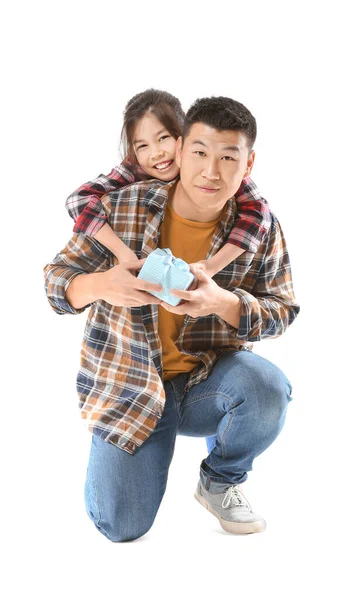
column 163, row 137
column 199, row 152
column 140, row 147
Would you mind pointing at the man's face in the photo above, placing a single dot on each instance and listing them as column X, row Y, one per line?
column 212, row 165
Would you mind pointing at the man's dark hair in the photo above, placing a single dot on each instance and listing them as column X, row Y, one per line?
column 222, row 114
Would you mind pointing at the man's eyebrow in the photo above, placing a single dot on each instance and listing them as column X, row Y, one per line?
column 157, row 133
column 199, row 142
column 233, row 148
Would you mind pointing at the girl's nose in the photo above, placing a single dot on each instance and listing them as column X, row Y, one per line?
column 157, row 152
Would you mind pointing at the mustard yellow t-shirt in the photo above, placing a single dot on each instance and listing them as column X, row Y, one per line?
column 189, row 240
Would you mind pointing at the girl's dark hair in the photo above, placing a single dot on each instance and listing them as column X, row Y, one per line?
column 222, row 113
column 165, row 107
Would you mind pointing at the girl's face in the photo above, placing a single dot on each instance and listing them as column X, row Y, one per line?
column 155, row 148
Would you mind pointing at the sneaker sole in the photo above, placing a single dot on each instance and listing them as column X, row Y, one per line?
column 230, row 526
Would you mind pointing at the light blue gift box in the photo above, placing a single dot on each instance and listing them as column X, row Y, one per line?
column 171, row 273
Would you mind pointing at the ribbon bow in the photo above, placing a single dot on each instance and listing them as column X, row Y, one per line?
column 168, row 260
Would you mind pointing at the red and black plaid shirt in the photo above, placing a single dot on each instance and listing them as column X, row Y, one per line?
column 84, row 206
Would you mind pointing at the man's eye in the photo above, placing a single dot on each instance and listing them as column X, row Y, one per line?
column 227, row 158
column 199, row 152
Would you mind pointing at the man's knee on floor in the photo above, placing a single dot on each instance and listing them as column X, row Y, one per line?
column 117, row 534
column 117, row 529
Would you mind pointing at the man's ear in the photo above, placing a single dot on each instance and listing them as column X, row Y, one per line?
column 250, row 163
column 179, row 151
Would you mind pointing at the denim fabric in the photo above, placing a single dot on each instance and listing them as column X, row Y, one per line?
column 240, row 408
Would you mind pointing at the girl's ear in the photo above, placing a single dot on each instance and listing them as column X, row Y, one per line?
column 179, row 151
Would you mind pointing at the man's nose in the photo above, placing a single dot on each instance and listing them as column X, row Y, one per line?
column 211, row 170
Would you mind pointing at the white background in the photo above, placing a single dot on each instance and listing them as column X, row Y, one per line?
column 69, row 70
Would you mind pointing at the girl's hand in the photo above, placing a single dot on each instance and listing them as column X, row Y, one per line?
column 126, row 255
column 204, row 265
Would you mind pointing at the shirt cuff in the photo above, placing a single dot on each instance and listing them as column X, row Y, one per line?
column 58, row 300
column 250, row 317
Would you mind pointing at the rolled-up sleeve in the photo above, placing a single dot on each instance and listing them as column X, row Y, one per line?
column 84, row 204
column 271, row 306
column 254, row 218
column 82, row 255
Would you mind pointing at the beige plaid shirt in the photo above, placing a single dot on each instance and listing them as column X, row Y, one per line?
column 119, row 382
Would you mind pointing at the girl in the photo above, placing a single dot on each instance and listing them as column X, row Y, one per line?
column 153, row 122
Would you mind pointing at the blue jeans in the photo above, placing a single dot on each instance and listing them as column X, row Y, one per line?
column 241, row 407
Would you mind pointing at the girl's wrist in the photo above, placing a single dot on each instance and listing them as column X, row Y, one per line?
column 210, row 267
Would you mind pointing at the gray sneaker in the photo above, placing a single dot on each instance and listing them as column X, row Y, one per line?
column 232, row 509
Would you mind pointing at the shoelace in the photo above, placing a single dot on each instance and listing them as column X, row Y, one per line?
column 234, row 497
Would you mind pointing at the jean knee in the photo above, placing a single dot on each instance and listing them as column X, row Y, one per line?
column 277, row 390
column 121, row 528
column 114, row 521
column 116, row 532
column 267, row 392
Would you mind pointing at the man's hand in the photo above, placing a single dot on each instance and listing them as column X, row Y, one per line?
column 203, row 299
column 119, row 287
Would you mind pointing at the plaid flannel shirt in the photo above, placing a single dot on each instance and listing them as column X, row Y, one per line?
column 84, row 206
column 120, row 377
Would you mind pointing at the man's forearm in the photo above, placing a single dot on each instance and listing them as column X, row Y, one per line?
column 230, row 309
column 84, row 289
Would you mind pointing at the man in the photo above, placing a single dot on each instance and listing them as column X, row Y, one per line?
column 149, row 370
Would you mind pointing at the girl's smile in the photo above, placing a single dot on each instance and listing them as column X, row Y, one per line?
column 155, row 148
